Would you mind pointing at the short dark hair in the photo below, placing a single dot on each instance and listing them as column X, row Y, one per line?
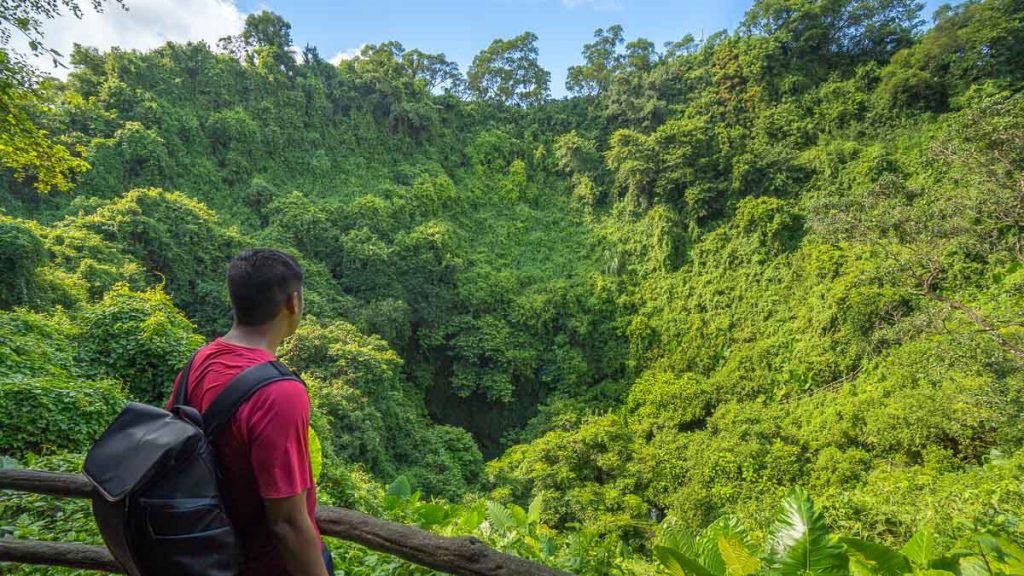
column 259, row 282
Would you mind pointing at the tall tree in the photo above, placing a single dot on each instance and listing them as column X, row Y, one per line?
column 396, row 85
column 435, row 71
column 265, row 40
column 602, row 62
column 827, row 33
column 508, row 72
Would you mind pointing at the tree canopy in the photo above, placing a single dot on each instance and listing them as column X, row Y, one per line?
column 507, row 72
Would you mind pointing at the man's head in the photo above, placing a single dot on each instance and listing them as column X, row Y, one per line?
column 266, row 288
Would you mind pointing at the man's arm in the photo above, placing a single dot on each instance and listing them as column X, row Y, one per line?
column 295, row 536
column 277, row 425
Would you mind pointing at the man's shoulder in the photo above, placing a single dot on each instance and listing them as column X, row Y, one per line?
column 281, row 405
column 283, row 395
column 285, row 387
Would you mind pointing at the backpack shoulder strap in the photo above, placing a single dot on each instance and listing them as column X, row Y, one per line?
column 240, row 389
column 181, row 394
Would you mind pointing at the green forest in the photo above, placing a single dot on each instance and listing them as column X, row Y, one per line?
column 751, row 303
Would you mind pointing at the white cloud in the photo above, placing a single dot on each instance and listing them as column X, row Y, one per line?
column 147, row 24
column 345, row 55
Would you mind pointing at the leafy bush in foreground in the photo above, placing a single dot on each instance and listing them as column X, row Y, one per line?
column 801, row 544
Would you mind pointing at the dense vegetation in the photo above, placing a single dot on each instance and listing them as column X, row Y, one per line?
column 611, row 332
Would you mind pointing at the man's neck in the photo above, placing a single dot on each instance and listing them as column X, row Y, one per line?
column 265, row 337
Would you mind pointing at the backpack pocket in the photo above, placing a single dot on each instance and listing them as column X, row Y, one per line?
column 183, row 516
column 188, row 536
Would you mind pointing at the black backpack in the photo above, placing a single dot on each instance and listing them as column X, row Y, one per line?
column 158, row 504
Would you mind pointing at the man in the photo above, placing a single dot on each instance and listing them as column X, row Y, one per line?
column 263, row 454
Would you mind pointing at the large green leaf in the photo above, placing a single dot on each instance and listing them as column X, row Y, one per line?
column 860, row 567
column 472, row 518
column 945, row 563
column 399, row 489
column 1013, row 554
column 981, row 554
column 710, row 557
column 921, row 548
column 737, row 558
column 976, row 566
column 882, row 560
column 431, row 514
column 518, row 514
column 725, row 534
column 398, row 495
column 680, row 564
column 801, row 544
column 674, row 534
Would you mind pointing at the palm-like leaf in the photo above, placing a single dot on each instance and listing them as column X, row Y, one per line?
column 680, row 564
column 536, row 509
column 801, row 544
column 499, row 517
column 879, row 558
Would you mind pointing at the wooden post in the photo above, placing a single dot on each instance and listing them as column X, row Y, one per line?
column 463, row 556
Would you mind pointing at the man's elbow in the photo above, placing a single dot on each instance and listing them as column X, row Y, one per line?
column 287, row 529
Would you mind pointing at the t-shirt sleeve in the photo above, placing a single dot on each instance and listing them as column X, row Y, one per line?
column 277, row 422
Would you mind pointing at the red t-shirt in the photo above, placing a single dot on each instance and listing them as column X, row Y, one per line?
column 262, row 453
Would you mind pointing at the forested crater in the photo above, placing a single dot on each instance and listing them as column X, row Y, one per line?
column 787, row 255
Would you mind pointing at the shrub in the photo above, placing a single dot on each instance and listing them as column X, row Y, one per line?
column 179, row 241
column 21, row 252
column 139, row 338
column 34, row 345
column 46, row 415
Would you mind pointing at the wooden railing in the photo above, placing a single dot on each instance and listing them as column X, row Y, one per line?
column 463, row 555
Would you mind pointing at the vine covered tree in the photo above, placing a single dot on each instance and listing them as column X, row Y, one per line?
column 602, row 63
column 266, row 40
column 507, row 72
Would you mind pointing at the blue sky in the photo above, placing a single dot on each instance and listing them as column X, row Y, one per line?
column 461, row 28
column 458, row 28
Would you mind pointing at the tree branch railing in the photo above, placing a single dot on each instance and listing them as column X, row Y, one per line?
column 462, row 555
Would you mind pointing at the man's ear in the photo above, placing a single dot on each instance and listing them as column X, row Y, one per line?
column 292, row 302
